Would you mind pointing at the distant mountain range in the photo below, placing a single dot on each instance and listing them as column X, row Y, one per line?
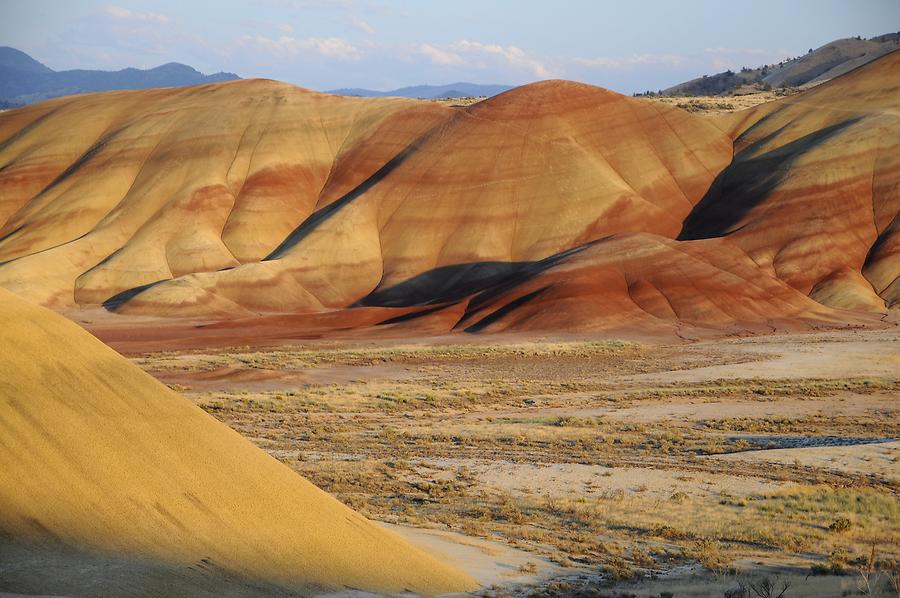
column 24, row 80
column 428, row 92
column 814, row 67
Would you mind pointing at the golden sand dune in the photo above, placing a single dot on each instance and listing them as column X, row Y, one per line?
column 257, row 197
column 96, row 455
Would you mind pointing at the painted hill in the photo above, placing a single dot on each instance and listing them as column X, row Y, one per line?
column 817, row 66
column 825, row 160
column 24, row 80
column 254, row 197
column 428, row 92
column 98, row 459
column 324, row 216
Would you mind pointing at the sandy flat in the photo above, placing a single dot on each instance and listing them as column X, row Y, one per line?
column 572, row 480
column 691, row 410
column 880, row 459
column 490, row 563
column 875, row 353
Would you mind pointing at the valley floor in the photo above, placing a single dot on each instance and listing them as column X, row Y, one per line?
column 586, row 467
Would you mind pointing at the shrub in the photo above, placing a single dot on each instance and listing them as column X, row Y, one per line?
column 618, row 569
column 840, row 525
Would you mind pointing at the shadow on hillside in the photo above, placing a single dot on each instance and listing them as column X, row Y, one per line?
column 747, row 181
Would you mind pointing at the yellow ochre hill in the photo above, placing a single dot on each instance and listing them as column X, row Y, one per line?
column 98, row 457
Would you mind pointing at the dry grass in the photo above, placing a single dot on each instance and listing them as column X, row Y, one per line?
column 721, row 104
column 396, row 432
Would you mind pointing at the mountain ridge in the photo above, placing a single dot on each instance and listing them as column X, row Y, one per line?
column 816, row 66
column 24, row 80
column 428, row 92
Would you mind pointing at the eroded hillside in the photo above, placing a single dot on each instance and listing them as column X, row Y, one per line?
column 556, row 205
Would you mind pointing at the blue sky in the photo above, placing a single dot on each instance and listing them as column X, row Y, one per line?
column 626, row 45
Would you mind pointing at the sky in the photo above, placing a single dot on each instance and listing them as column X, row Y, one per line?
column 626, row 45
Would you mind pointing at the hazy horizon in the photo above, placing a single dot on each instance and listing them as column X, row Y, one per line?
column 387, row 44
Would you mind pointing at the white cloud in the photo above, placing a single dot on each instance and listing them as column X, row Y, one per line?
column 311, row 4
column 509, row 55
column 290, row 47
column 438, row 56
column 632, row 61
column 143, row 16
column 361, row 25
